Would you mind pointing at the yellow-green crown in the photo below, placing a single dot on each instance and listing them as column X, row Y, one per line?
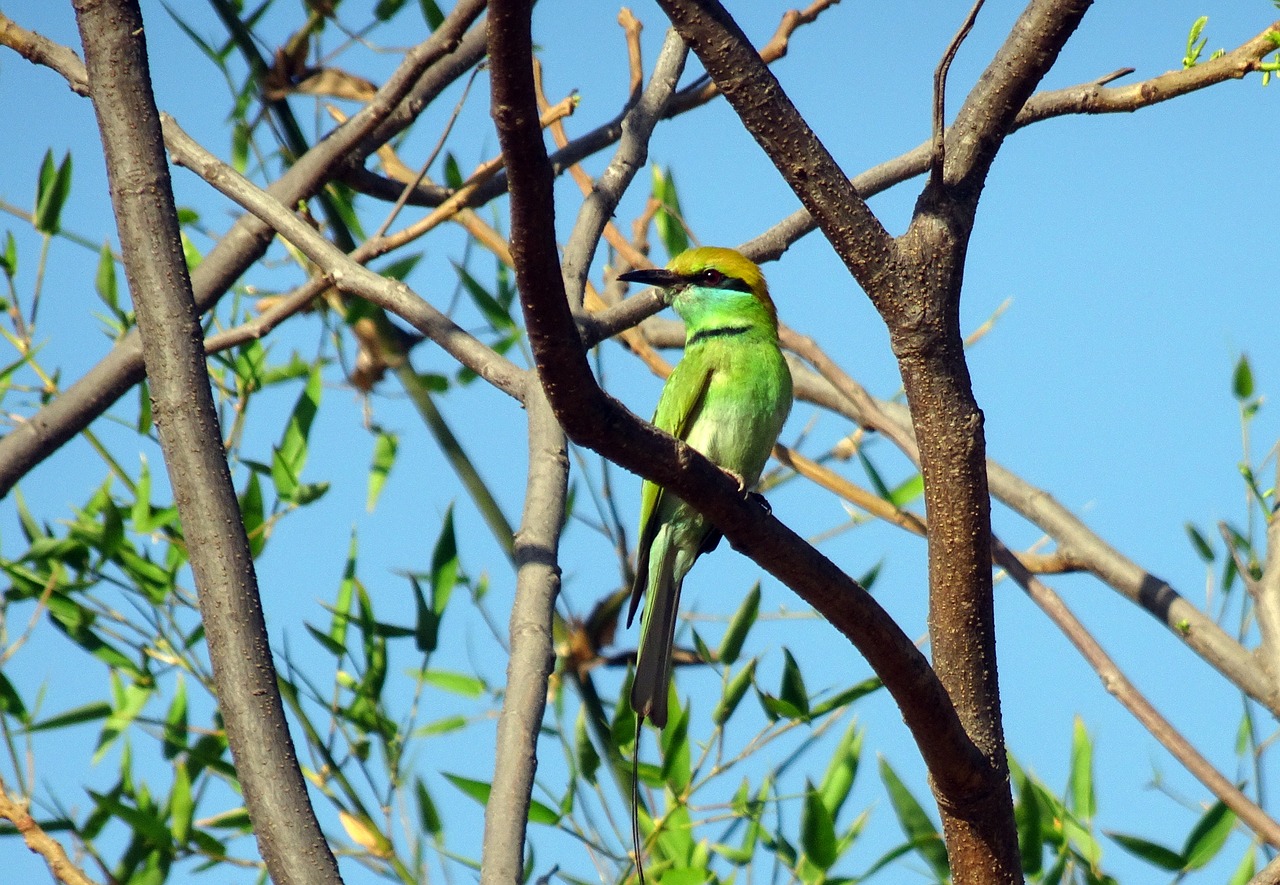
column 729, row 262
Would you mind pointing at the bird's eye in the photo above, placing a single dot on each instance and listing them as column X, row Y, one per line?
column 711, row 277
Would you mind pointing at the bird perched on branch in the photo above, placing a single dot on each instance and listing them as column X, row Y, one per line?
column 728, row 398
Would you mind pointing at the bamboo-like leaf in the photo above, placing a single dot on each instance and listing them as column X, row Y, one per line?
column 1242, row 379
column 838, row 780
column 734, row 691
column 1080, row 780
column 456, row 683
column 1030, row 829
column 428, row 817
column 817, row 830
column 539, row 813
column 175, row 721
column 1208, row 836
column 669, row 218
column 915, row 823
column 51, row 194
column 743, row 620
column 181, row 805
column 793, row 690
column 1152, row 852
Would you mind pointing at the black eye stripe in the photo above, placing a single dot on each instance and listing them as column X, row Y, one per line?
column 731, row 283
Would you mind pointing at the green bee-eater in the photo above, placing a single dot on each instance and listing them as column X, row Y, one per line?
column 728, row 398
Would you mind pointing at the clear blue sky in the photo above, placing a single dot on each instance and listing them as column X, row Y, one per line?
column 1137, row 252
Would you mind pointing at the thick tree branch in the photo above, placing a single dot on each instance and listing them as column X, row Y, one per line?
column 753, row 91
column 532, row 653
column 986, row 118
column 289, row 836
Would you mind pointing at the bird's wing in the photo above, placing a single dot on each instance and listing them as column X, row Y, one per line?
column 678, row 407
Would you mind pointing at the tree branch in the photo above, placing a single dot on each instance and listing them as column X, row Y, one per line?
column 1118, row 685
column 289, row 836
column 532, row 653
column 341, row 271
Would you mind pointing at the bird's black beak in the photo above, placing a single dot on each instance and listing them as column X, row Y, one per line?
column 651, row 276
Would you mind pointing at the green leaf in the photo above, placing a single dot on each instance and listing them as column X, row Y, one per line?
column 793, row 690
column 181, row 805
column 441, row 726
column 385, row 9
column 175, row 721
column 479, row 791
column 915, row 823
column 743, row 620
column 51, row 194
column 104, row 282
column 848, row 696
column 456, row 683
column 1195, row 43
column 493, row 311
column 9, row 255
column 873, row 476
column 669, row 218
column 1242, row 379
column 384, row 456
column 444, row 577
column 345, row 599
column 1208, row 836
column 733, row 693
column 1203, row 548
column 428, row 816
column 431, row 13
column 400, row 268
column 586, row 759
column 75, row 716
column 144, row 408
column 126, row 708
column 1153, row 853
column 253, row 512
column 908, row 491
column 1030, row 829
column 842, row 769
column 11, row 702
column 290, row 456
column 1080, row 780
column 1244, row 873
column 817, row 830
column 676, row 763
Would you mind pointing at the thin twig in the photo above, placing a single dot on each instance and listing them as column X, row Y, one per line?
column 940, row 93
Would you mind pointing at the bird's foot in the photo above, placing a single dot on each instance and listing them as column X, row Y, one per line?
column 742, row 483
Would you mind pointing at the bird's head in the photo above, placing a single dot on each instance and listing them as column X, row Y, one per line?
column 709, row 274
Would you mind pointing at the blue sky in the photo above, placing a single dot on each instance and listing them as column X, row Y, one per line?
column 1134, row 250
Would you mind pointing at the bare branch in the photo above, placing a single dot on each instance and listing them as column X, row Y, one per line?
column 532, row 656
column 55, row 856
column 1118, row 685
column 288, row 834
column 342, row 271
column 940, row 92
column 1097, row 98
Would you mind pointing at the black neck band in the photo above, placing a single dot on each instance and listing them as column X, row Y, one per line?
column 722, row 332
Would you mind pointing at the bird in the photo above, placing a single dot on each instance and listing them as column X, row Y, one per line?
column 728, row 398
